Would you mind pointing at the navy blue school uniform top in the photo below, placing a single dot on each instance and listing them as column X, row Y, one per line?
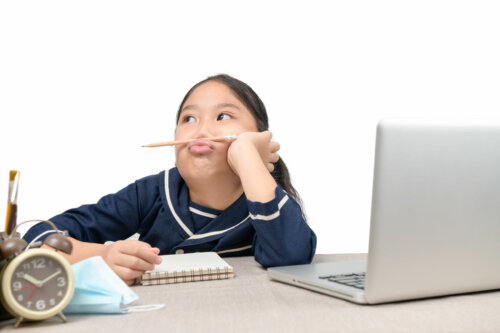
column 275, row 232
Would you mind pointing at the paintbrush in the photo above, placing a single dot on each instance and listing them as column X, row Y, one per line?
column 179, row 142
column 10, row 221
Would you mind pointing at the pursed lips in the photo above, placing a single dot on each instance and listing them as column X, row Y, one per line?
column 200, row 146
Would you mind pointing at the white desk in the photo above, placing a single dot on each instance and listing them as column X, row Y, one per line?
column 251, row 302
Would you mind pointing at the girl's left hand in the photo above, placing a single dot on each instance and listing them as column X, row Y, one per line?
column 241, row 149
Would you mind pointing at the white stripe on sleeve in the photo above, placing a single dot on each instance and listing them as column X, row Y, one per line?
column 273, row 215
column 235, row 250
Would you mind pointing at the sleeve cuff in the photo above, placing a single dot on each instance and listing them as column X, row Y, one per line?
column 270, row 208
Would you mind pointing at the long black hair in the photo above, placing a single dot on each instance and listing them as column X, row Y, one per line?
column 251, row 100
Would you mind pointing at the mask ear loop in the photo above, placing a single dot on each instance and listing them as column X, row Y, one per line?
column 45, row 221
column 38, row 237
column 141, row 308
column 58, row 241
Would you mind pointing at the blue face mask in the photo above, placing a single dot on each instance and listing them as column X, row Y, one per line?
column 98, row 289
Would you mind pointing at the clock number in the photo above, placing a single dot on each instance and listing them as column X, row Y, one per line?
column 17, row 285
column 28, row 304
column 38, row 263
column 52, row 302
column 61, row 282
column 20, row 298
column 40, row 305
column 60, row 293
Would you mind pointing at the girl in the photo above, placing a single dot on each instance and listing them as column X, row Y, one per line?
column 234, row 198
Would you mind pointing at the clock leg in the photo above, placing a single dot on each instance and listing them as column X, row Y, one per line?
column 62, row 316
column 18, row 322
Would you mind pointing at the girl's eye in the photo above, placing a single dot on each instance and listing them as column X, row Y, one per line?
column 189, row 119
column 223, row 116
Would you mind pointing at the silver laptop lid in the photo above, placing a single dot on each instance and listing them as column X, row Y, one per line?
column 435, row 222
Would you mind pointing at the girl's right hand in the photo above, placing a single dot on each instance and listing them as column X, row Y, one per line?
column 251, row 157
column 129, row 259
column 237, row 155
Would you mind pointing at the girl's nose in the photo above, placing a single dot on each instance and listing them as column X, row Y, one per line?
column 205, row 129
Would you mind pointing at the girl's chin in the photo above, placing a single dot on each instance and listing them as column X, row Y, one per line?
column 204, row 168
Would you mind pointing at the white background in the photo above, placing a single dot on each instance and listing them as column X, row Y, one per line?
column 83, row 84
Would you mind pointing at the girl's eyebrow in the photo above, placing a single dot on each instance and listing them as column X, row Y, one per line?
column 226, row 105
column 189, row 107
column 218, row 106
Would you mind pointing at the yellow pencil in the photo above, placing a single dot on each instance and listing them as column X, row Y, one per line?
column 10, row 221
column 179, row 142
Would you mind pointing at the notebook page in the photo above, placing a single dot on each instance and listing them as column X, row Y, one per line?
column 191, row 262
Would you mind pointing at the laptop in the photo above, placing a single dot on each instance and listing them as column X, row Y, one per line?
column 435, row 217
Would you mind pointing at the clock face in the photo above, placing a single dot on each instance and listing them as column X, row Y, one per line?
column 40, row 284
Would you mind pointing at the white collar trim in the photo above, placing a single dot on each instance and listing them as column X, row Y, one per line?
column 169, row 202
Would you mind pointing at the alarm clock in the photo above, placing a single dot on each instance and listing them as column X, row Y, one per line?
column 36, row 283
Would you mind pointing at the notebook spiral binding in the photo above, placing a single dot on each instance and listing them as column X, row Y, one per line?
column 155, row 278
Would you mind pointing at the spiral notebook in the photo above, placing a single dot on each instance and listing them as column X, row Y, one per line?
column 189, row 267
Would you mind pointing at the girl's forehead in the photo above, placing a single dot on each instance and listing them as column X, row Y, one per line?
column 210, row 94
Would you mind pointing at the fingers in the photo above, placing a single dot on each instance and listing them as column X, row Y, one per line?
column 260, row 141
column 130, row 282
column 274, row 147
column 133, row 262
column 130, row 259
column 129, row 276
column 141, row 250
column 267, row 135
column 273, row 158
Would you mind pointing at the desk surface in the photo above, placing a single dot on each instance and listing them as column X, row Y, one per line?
column 251, row 302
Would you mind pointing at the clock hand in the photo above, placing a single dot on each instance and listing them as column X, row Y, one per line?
column 32, row 292
column 34, row 286
column 27, row 287
column 50, row 277
column 31, row 279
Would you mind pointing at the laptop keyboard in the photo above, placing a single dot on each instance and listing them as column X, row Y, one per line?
column 356, row 280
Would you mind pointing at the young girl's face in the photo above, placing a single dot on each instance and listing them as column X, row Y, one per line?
column 211, row 110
